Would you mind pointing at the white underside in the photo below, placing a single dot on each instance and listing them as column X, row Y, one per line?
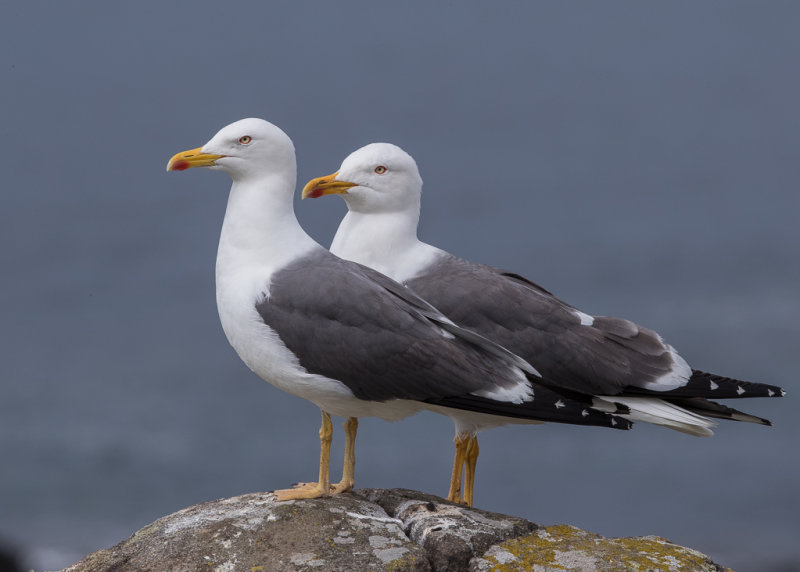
column 471, row 422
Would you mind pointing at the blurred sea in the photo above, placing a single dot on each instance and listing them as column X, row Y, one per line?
column 636, row 161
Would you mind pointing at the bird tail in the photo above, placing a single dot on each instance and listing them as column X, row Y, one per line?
column 710, row 408
column 658, row 412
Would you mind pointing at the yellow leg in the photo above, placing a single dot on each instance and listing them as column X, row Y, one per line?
column 461, row 441
column 471, row 460
column 349, row 470
column 322, row 488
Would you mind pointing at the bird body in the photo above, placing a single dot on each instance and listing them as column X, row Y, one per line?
column 341, row 335
column 260, row 237
column 615, row 360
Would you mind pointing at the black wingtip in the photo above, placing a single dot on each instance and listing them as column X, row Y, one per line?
column 708, row 408
column 621, row 409
column 545, row 406
column 711, row 385
column 729, row 387
column 621, row 423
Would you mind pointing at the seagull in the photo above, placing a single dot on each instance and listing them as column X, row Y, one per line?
column 613, row 359
column 341, row 335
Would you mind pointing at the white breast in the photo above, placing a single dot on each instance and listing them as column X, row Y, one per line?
column 260, row 236
column 261, row 349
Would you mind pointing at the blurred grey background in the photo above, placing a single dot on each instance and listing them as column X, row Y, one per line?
column 637, row 159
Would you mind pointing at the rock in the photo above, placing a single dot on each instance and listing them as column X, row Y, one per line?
column 450, row 534
column 564, row 547
column 256, row 533
column 373, row 529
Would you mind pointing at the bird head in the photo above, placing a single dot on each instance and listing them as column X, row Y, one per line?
column 246, row 148
column 377, row 178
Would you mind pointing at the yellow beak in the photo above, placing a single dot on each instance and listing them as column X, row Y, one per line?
column 321, row 186
column 192, row 158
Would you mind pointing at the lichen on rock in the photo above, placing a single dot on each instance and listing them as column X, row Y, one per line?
column 563, row 547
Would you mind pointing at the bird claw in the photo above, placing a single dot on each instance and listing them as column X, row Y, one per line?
column 312, row 491
column 302, row 491
column 342, row 487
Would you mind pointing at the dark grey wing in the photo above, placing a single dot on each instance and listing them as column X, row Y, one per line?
column 600, row 359
column 341, row 324
column 590, row 354
column 555, row 404
column 409, row 296
column 523, row 280
column 383, row 342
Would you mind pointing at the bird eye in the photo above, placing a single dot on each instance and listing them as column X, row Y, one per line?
column 380, row 169
column 245, row 139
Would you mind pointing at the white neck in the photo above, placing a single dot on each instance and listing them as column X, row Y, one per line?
column 386, row 242
column 260, row 233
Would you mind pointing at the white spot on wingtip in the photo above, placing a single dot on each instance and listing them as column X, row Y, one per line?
column 713, row 385
column 585, row 413
column 739, row 390
column 613, row 421
column 770, row 392
column 783, row 393
column 560, row 404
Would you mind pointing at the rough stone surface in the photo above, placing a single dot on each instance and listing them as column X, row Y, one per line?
column 256, row 533
column 450, row 534
column 564, row 547
column 374, row 529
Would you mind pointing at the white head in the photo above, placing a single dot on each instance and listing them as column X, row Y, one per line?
column 377, row 178
column 247, row 149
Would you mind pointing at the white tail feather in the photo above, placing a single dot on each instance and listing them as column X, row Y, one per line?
column 658, row 412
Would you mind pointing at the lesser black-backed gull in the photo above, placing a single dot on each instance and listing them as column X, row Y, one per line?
column 341, row 335
column 611, row 358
